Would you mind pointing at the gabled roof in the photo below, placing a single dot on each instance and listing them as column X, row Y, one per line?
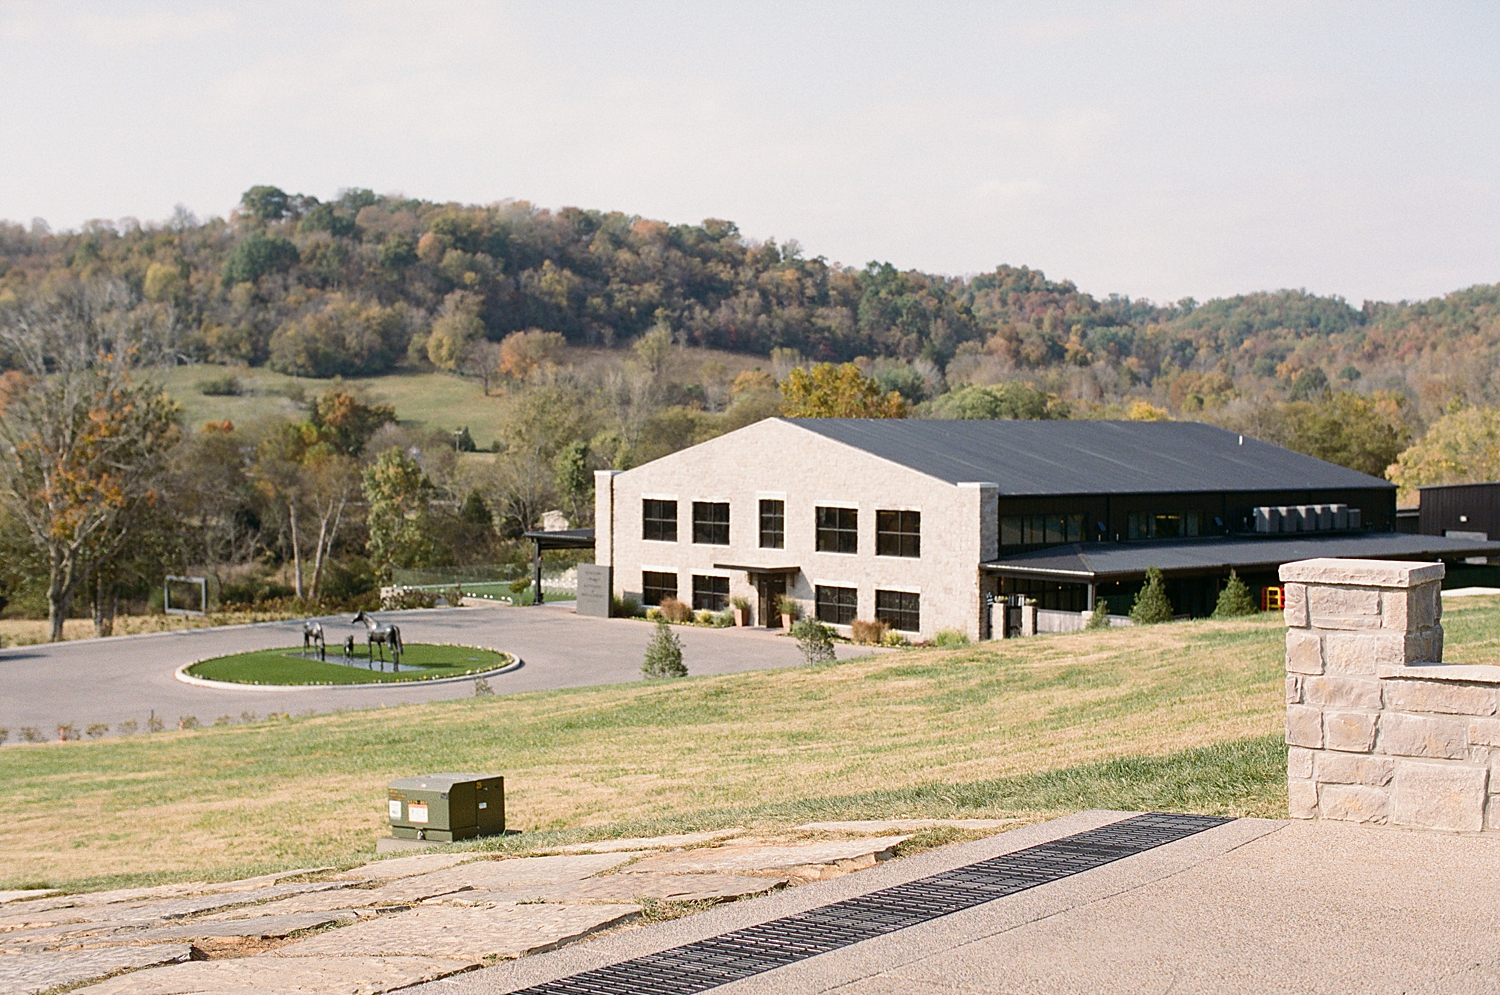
column 1096, row 561
column 1089, row 457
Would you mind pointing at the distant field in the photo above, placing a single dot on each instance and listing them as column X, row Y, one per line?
column 443, row 401
column 1186, row 717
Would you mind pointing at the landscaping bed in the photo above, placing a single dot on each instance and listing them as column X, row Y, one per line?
column 419, row 662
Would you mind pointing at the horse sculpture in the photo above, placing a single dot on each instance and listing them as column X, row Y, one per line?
column 312, row 635
column 385, row 634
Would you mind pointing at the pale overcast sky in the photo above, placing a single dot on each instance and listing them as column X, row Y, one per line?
column 1152, row 149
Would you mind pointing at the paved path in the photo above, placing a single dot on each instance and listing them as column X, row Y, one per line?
column 112, row 680
column 1250, row 906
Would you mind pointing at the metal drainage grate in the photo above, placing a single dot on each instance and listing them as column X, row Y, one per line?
column 718, row 960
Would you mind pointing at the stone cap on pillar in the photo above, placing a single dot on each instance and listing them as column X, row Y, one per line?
column 1363, row 573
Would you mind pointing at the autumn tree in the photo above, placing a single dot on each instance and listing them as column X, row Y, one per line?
column 398, row 495
column 829, row 391
column 457, row 326
column 521, row 353
column 85, row 437
column 1461, row 447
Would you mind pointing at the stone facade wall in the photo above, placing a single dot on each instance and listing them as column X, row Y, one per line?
column 776, row 459
column 1378, row 729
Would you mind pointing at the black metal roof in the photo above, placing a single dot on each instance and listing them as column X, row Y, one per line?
column 1089, row 457
column 1096, row 561
column 562, row 538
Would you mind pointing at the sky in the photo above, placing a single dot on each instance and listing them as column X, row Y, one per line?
column 1158, row 150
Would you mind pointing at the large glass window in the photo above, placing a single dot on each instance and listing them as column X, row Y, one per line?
column 711, row 523
column 1040, row 530
column 836, row 605
column 898, row 533
column 899, row 609
column 772, row 524
column 1163, row 525
column 659, row 520
column 710, row 593
column 838, row 530
column 657, row 587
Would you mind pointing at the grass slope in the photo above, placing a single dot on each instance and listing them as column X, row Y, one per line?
column 1185, row 716
column 287, row 666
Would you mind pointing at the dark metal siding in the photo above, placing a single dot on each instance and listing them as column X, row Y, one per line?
column 1444, row 507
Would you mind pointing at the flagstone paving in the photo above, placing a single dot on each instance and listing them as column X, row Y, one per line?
column 390, row 923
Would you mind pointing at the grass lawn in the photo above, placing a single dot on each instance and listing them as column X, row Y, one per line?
column 1185, row 717
column 419, row 662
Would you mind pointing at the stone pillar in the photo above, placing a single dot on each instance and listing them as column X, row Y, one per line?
column 1378, row 729
column 1028, row 618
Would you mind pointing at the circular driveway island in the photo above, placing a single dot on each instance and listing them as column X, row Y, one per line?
column 129, row 677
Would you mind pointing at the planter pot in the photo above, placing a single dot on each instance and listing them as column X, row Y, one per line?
column 786, row 622
column 740, row 618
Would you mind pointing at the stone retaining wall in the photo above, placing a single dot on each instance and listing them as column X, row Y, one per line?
column 1379, row 729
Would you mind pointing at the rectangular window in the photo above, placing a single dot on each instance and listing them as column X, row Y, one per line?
column 772, row 524
column 837, row 605
column 838, row 530
column 1166, row 525
column 659, row 520
column 899, row 609
column 1040, row 530
column 898, row 533
column 657, row 587
column 710, row 593
column 711, row 523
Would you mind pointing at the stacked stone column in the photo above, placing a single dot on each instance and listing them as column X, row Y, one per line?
column 1379, row 729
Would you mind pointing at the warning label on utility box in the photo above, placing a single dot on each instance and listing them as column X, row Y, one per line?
column 416, row 812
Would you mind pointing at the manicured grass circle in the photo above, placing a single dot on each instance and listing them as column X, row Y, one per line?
column 419, row 662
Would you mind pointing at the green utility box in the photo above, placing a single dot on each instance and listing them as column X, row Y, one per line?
column 447, row 807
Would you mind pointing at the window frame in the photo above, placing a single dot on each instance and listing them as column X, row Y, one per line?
column 838, row 533
column 647, row 588
column 707, row 531
column 841, row 613
column 907, row 609
column 905, row 540
column 659, row 520
column 779, row 533
column 715, row 600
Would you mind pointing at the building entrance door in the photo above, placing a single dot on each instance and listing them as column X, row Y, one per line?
column 772, row 587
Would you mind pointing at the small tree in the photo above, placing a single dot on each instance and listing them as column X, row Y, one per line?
column 664, row 654
column 1151, row 604
column 1235, row 599
column 815, row 640
column 1099, row 617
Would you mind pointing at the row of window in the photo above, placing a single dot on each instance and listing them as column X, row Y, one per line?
column 709, row 593
column 898, row 609
column 1050, row 530
column 897, row 533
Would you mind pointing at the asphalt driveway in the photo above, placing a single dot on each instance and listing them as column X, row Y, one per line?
column 129, row 677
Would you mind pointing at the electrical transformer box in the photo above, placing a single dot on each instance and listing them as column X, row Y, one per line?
column 447, row 807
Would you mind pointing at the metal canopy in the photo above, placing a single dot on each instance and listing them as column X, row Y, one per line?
column 756, row 570
column 1100, row 561
column 562, row 539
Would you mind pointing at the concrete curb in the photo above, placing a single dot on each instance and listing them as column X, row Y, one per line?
column 182, row 675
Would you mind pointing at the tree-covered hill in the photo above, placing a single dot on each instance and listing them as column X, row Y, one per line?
column 364, row 283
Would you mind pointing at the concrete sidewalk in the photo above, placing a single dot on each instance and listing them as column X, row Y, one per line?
column 1251, row 906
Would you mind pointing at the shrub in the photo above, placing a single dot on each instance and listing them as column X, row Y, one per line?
column 815, row 640
column 624, row 607
column 743, row 604
column 31, row 734
column 653, row 614
column 482, row 687
column 789, row 606
column 864, row 631
column 675, row 611
column 950, row 637
column 664, row 653
column 1151, row 604
column 96, row 730
column 894, row 638
column 154, row 724
column 1235, row 600
column 187, row 722
column 127, row 728
column 405, row 598
column 721, row 620
column 224, row 720
column 4, row 735
column 245, row 716
column 225, row 386
column 1099, row 617
column 67, row 733
column 519, row 586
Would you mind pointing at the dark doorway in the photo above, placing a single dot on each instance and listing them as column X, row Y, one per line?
column 772, row 587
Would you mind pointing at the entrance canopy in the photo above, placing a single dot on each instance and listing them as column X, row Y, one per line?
column 1089, row 563
column 560, row 539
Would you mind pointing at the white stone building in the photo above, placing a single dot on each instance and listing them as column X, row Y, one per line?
column 916, row 522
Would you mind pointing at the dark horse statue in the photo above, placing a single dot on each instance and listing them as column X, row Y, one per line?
column 312, row 636
column 383, row 633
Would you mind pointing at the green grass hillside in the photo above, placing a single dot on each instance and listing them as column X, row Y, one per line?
column 1184, row 716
